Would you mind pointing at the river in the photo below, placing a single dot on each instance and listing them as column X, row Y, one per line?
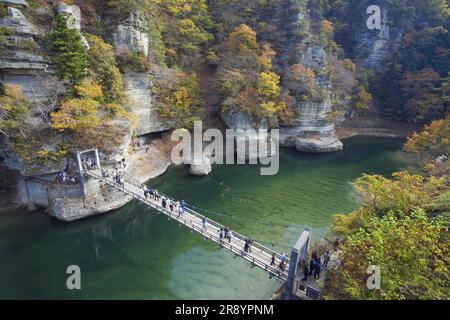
column 133, row 253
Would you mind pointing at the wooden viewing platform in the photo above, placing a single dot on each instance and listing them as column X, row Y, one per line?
column 259, row 256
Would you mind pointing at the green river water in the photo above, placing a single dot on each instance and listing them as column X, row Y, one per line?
column 133, row 253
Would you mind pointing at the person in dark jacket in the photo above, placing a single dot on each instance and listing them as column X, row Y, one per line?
column 305, row 272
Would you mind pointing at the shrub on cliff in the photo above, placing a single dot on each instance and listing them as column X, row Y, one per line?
column 70, row 54
column 104, row 69
column 13, row 111
column 179, row 102
column 5, row 33
column 248, row 83
column 134, row 61
column 88, row 117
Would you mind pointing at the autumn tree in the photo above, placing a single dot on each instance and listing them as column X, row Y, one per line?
column 14, row 110
column 411, row 250
column 430, row 144
column 379, row 195
column 401, row 226
column 420, row 89
column 104, row 69
column 92, row 120
column 179, row 100
column 248, row 82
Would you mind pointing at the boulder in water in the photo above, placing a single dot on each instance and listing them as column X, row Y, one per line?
column 319, row 145
column 201, row 168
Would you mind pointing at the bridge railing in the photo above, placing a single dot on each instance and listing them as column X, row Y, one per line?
column 239, row 236
column 238, row 251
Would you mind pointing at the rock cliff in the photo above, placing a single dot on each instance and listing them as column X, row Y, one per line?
column 26, row 63
column 131, row 36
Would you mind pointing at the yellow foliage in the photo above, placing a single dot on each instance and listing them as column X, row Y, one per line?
column 242, row 40
column 52, row 156
column 13, row 110
column 327, row 27
column 269, row 85
column 89, row 90
column 270, row 108
column 349, row 65
column 266, row 57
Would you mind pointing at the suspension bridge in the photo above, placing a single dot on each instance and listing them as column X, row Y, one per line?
column 259, row 255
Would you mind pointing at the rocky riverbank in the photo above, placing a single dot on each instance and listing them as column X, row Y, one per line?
column 147, row 162
column 376, row 128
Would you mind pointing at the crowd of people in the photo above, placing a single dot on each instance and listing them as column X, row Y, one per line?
column 64, row 178
column 88, row 163
column 120, row 165
column 316, row 266
column 166, row 203
column 226, row 233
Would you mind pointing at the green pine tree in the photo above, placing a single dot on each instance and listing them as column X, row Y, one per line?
column 70, row 53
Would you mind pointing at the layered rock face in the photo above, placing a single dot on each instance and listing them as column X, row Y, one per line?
column 373, row 46
column 131, row 36
column 25, row 64
column 19, row 65
column 310, row 131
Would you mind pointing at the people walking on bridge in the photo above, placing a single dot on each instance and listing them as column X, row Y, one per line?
column 326, row 259
column 179, row 208
column 250, row 244
column 284, row 257
column 230, row 235
column 163, row 202
column 283, row 260
column 272, row 262
column 221, row 236
column 227, row 233
column 247, row 245
column 171, row 205
column 183, row 205
column 205, row 223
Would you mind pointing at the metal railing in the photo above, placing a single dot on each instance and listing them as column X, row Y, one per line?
column 273, row 271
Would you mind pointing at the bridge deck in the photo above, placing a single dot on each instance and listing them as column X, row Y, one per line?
column 259, row 256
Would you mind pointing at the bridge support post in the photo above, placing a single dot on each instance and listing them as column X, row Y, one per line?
column 299, row 253
column 80, row 169
column 97, row 159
